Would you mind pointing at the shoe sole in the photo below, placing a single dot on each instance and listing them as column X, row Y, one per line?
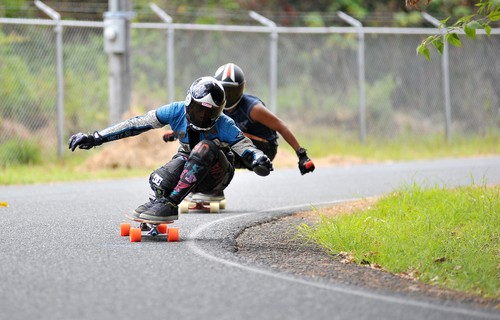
column 148, row 218
column 133, row 215
column 202, row 198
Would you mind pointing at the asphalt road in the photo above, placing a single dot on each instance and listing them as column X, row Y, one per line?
column 61, row 256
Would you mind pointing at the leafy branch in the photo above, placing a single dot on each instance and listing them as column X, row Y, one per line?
column 488, row 11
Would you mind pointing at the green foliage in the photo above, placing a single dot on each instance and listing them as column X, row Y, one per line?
column 14, row 152
column 286, row 12
column 378, row 97
column 11, row 8
column 339, row 109
column 440, row 236
column 354, row 7
column 488, row 11
column 404, row 19
column 14, row 90
column 85, row 84
column 313, row 19
column 24, row 84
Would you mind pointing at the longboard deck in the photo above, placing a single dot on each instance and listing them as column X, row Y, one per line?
column 153, row 222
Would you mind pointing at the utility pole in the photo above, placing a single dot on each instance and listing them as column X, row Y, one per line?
column 117, row 45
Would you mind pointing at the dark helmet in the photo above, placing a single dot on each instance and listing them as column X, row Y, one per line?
column 233, row 80
column 205, row 101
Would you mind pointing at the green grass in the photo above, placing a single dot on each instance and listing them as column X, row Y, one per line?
column 446, row 237
column 13, row 152
column 320, row 143
column 15, row 175
column 59, row 171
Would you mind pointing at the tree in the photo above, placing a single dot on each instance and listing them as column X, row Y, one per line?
column 488, row 12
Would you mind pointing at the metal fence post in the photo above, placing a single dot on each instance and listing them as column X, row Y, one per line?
column 446, row 76
column 273, row 57
column 117, row 46
column 60, row 75
column 170, row 49
column 361, row 73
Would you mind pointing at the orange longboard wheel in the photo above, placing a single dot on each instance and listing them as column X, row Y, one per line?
column 173, row 234
column 124, row 229
column 135, row 234
column 162, row 228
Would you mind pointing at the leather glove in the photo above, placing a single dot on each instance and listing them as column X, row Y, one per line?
column 305, row 164
column 262, row 166
column 84, row 141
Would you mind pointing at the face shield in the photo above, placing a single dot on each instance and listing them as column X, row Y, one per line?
column 204, row 103
column 233, row 94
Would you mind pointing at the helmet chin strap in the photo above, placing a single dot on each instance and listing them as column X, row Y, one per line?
column 195, row 127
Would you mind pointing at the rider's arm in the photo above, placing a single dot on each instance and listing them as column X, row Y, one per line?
column 244, row 147
column 131, row 127
column 262, row 115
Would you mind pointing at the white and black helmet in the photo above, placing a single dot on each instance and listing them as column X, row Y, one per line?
column 233, row 80
column 205, row 101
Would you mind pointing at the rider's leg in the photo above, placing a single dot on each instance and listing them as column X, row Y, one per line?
column 201, row 163
column 163, row 180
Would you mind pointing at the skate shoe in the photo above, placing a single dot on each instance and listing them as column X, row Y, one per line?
column 143, row 207
column 162, row 210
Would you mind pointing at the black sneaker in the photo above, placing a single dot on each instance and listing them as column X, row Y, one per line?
column 144, row 207
column 161, row 211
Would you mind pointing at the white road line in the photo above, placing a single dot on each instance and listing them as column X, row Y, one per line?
column 370, row 295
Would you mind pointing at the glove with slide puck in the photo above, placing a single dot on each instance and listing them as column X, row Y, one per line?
column 262, row 166
column 305, row 164
column 84, row 141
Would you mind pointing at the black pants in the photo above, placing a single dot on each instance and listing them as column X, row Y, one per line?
column 206, row 169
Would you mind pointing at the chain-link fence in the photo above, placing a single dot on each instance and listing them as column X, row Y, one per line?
column 317, row 79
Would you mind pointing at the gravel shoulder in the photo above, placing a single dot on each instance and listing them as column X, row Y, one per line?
column 277, row 245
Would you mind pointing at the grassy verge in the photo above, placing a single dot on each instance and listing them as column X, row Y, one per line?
column 59, row 171
column 320, row 143
column 446, row 237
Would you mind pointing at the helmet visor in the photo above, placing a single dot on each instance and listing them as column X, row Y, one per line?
column 233, row 93
column 203, row 115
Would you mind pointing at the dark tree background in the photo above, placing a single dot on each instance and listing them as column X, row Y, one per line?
column 283, row 12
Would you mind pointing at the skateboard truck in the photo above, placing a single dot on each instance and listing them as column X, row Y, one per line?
column 197, row 202
column 149, row 229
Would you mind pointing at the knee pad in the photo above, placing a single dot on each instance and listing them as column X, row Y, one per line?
column 205, row 152
column 164, row 179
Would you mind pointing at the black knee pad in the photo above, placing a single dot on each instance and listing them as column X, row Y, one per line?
column 164, row 179
column 205, row 152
